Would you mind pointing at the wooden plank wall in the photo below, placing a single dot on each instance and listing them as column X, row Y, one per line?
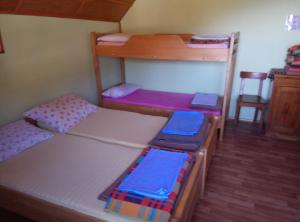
column 101, row 10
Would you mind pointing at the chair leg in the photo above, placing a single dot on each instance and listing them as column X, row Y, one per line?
column 237, row 114
column 262, row 119
column 255, row 115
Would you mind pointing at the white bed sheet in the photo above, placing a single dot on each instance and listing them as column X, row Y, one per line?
column 69, row 171
column 120, row 127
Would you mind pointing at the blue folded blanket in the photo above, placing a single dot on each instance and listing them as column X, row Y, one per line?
column 184, row 123
column 156, row 174
column 205, row 99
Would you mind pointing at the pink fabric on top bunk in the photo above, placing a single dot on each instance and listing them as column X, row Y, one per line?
column 159, row 99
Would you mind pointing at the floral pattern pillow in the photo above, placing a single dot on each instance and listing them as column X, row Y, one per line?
column 62, row 113
column 19, row 136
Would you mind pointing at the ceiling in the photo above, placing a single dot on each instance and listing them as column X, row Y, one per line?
column 100, row 10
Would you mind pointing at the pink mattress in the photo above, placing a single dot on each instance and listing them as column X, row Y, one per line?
column 159, row 99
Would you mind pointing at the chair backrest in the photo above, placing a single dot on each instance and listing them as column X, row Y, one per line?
column 252, row 75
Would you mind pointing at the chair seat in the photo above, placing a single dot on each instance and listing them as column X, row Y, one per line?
column 255, row 101
column 251, row 99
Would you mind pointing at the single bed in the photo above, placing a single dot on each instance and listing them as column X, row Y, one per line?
column 160, row 100
column 60, row 179
column 120, row 127
column 135, row 130
column 106, row 125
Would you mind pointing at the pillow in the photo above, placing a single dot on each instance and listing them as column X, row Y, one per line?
column 19, row 136
column 62, row 113
column 117, row 37
column 121, row 91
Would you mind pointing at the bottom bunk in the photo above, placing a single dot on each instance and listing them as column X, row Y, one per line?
column 153, row 102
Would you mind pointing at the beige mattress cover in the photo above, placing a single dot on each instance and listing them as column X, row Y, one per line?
column 120, row 127
column 69, row 171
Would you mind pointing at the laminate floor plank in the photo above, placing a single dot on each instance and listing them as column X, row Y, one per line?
column 252, row 178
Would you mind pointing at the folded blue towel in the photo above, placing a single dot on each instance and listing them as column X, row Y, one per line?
column 205, row 99
column 156, row 174
column 184, row 123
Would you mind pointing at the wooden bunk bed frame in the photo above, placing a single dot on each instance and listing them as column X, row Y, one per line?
column 164, row 47
column 41, row 210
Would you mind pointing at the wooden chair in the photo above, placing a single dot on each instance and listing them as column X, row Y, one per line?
column 255, row 101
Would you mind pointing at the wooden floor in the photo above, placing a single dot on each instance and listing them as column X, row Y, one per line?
column 252, row 178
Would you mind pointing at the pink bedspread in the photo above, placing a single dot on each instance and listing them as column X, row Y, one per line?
column 164, row 100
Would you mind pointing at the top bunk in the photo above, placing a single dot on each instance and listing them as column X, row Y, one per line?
column 165, row 46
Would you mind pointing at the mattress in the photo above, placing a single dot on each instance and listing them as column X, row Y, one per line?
column 120, row 127
column 189, row 45
column 160, row 99
column 69, row 171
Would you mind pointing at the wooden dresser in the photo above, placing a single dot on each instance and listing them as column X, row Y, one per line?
column 284, row 109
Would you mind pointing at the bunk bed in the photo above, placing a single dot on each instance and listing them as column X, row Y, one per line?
column 178, row 47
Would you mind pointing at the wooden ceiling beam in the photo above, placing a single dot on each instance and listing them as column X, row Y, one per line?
column 101, row 10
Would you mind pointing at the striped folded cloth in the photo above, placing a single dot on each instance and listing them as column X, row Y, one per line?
column 293, row 48
column 129, row 204
column 293, row 60
column 156, row 175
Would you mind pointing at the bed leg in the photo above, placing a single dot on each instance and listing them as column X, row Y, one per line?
column 203, row 172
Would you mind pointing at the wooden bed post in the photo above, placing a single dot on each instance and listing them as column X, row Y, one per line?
column 122, row 70
column 204, row 172
column 230, row 69
column 122, row 62
column 97, row 68
column 120, row 27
